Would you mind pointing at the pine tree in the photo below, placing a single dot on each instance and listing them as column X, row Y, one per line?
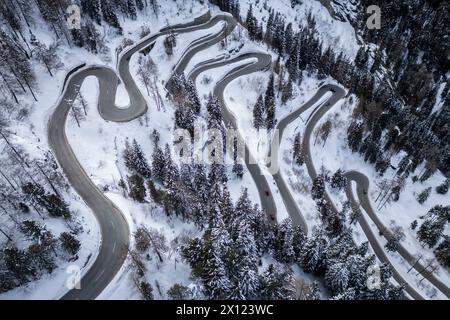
column 287, row 91
column 200, row 182
column 443, row 188
column 135, row 159
column 276, row 283
column 245, row 272
column 109, row 15
column 129, row 156
column 69, row 243
column 193, row 98
column 226, row 207
column 10, row 17
column 362, row 58
column 442, row 252
column 137, row 188
column 179, row 292
column 393, row 242
column 158, row 164
column 131, row 8
column 355, row 135
column 92, row 9
column 318, row 188
column 216, row 281
column 312, row 254
column 77, row 37
column 170, row 42
column 288, row 38
column 244, row 209
column 297, row 150
column 141, row 164
column 293, row 62
column 423, row 196
column 258, row 113
column 284, row 242
column 214, row 113
column 155, row 194
column 238, row 169
column 146, row 290
column 269, row 104
column 18, row 265
column 140, row 4
column 92, row 37
column 337, row 278
column 185, row 119
column 432, row 228
column 251, row 23
column 41, row 253
column 31, row 229
column 57, row 206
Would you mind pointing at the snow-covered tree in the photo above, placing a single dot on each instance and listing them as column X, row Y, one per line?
column 339, row 180
column 46, row 54
column 137, row 188
column 297, row 150
column 423, row 196
column 170, row 42
column 258, row 113
column 269, row 104
column 158, row 164
column 276, row 283
column 318, row 188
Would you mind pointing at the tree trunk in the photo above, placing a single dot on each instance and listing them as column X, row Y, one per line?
column 4, row 233
column 17, row 78
column 48, row 179
column 23, row 14
column 9, row 88
column 31, row 90
column 9, row 181
column 14, row 149
column 75, row 117
column 48, row 69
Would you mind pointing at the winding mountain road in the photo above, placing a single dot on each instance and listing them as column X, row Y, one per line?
column 337, row 94
column 362, row 189
column 114, row 229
